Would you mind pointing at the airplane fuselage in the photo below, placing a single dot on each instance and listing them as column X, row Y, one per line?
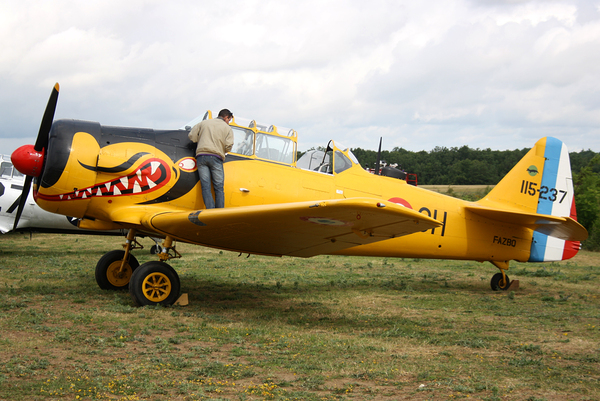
column 91, row 168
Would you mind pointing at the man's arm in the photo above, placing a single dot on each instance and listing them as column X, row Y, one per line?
column 229, row 141
column 193, row 135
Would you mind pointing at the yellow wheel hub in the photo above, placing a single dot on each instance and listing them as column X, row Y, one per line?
column 156, row 287
column 116, row 277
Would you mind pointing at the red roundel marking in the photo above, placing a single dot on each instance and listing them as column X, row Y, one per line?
column 401, row 201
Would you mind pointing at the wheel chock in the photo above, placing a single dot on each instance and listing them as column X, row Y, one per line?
column 514, row 285
column 182, row 300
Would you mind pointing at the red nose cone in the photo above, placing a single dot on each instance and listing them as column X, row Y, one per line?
column 28, row 160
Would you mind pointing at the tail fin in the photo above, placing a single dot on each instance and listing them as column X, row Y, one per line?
column 541, row 183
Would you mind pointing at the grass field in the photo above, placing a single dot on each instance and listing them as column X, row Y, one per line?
column 325, row 328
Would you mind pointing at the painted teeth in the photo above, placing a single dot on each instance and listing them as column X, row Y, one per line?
column 138, row 182
column 155, row 166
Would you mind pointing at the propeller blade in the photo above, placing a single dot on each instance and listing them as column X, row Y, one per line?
column 377, row 170
column 22, row 200
column 44, row 132
column 34, row 159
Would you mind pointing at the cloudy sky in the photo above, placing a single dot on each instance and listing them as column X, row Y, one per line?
column 494, row 74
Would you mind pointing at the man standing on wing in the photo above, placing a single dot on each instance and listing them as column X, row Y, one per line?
column 215, row 139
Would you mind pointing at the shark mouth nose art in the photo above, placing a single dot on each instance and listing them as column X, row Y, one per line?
column 149, row 177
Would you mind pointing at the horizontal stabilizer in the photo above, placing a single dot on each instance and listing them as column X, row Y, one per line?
column 296, row 229
column 564, row 228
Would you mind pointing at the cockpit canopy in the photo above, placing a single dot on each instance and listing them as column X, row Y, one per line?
column 279, row 144
column 262, row 141
column 335, row 159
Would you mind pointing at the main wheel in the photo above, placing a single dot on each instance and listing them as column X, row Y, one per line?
column 108, row 276
column 154, row 283
column 499, row 283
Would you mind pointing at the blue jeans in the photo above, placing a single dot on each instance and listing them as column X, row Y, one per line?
column 210, row 168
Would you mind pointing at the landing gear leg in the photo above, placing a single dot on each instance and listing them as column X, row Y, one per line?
column 115, row 268
column 156, row 283
column 156, row 248
column 500, row 281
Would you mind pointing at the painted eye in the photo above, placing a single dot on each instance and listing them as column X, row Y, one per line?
column 187, row 164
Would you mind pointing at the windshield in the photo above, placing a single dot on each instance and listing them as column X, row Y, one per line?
column 341, row 162
column 346, row 151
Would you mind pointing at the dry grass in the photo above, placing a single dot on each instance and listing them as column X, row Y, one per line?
column 466, row 192
column 325, row 328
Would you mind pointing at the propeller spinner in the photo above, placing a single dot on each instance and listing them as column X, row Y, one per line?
column 29, row 159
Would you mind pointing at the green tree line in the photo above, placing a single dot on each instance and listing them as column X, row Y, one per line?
column 459, row 166
column 466, row 166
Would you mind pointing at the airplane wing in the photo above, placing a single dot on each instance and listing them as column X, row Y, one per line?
column 295, row 229
column 564, row 228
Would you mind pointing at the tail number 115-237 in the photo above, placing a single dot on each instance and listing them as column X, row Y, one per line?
column 551, row 194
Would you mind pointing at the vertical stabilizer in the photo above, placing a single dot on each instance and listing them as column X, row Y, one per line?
column 540, row 183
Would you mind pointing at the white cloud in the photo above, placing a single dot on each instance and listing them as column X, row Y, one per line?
column 496, row 74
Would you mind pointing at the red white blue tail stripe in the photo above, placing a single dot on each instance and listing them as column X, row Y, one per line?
column 556, row 198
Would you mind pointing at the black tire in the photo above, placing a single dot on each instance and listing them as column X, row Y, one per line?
column 107, row 269
column 498, row 284
column 154, row 283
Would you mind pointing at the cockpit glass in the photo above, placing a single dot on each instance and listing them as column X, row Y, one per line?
column 318, row 160
column 341, row 162
column 243, row 142
column 351, row 155
column 275, row 148
column 6, row 169
column 312, row 160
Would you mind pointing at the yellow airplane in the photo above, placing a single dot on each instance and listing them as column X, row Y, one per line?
column 146, row 181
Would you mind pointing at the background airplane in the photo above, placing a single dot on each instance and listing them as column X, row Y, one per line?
column 145, row 181
column 33, row 218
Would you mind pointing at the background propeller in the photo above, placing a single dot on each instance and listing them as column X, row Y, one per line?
column 33, row 157
column 377, row 165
